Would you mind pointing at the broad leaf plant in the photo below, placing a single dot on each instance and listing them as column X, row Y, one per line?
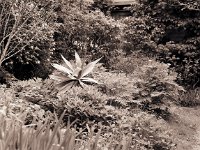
column 68, row 75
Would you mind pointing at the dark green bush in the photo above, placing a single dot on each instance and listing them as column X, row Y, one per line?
column 169, row 29
column 135, row 35
column 90, row 33
column 93, row 106
column 26, row 37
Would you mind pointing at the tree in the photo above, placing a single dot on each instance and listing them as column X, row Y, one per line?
column 26, row 32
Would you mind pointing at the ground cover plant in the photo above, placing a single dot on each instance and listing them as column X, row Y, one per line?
column 92, row 117
column 119, row 93
column 113, row 104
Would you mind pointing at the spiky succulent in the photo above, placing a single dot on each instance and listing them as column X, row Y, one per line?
column 69, row 75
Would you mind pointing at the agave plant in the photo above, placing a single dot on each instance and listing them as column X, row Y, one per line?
column 69, row 75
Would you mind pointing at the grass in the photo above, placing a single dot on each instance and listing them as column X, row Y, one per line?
column 14, row 135
column 190, row 98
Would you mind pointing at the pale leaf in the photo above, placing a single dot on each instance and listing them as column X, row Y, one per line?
column 62, row 69
column 58, row 77
column 67, row 87
column 89, row 80
column 78, row 60
column 77, row 72
column 81, row 83
column 69, row 65
column 64, row 83
column 89, row 67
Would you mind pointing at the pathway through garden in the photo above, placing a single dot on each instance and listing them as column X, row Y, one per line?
column 197, row 146
column 186, row 127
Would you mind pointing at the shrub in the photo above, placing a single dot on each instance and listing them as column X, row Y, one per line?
column 184, row 58
column 107, row 104
column 135, row 35
column 156, row 87
column 149, row 85
column 90, row 33
column 130, row 62
column 170, row 30
column 26, row 38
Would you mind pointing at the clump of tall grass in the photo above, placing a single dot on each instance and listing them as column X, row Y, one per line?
column 190, row 98
column 14, row 135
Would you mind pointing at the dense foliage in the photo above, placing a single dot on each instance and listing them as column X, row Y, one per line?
column 115, row 103
column 90, row 33
column 26, row 37
column 142, row 58
column 171, row 30
column 109, row 105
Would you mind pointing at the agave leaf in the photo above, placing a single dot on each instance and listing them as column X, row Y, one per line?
column 81, row 83
column 89, row 67
column 64, row 83
column 77, row 72
column 69, row 65
column 62, row 69
column 71, row 77
column 58, row 77
column 68, row 86
column 89, row 80
column 78, row 60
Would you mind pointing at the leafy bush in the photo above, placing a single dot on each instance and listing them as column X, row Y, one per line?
column 185, row 59
column 135, row 34
column 110, row 104
column 130, row 62
column 169, row 29
column 90, row 33
column 156, row 86
column 26, row 38
column 149, row 85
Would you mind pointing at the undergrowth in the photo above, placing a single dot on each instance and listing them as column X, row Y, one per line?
column 116, row 104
